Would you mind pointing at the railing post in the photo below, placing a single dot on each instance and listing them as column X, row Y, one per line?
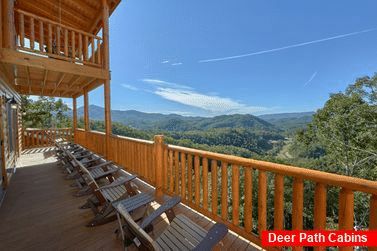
column 159, row 164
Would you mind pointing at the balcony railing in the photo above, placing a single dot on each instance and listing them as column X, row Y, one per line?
column 45, row 37
column 213, row 183
column 33, row 138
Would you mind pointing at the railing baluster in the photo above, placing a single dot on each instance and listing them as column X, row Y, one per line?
column 86, row 48
column 235, row 194
column 80, row 47
column 320, row 209
column 183, row 174
column 145, row 158
column 99, row 51
column 189, row 177
column 248, row 208
column 279, row 202
column 197, row 180
column 22, row 30
column 58, row 50
column 73, row 44
column 346, row 208
column 262, row 201
column 214, row 193
column 205, row 183
column 373, row 217
column 32, row 33
column 93, row 54
column 41, row 36
column 166, row 168
column 171, row 168
column 176, row 171
column 49, row 39
column 224, row 191
column 297, row 206
column 66, row 43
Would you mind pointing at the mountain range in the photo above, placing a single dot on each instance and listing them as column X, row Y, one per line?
column 175, row 122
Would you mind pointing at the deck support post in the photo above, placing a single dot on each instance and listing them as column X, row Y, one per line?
column 8, row 27
column 86, row 111
column 2, row 139
column 159, row 164
column 74, row 102
column 106, row 65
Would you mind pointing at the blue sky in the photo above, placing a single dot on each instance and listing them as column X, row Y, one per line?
column 213, row 57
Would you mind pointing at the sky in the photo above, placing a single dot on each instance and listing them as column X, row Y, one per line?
column 215, row 57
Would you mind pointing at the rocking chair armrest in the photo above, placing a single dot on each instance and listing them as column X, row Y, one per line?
column 214, row 235
column 118, row 182
column 162, row 209
column 99, row 165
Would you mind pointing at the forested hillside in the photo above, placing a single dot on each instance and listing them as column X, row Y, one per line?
column 174, row 122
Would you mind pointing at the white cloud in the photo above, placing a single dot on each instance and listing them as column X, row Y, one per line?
column 174, row 64
column 165, row 62
column 214, row 104
column 133, row 88
column 165, row 84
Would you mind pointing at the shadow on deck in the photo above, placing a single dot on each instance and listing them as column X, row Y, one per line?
column 41, row 212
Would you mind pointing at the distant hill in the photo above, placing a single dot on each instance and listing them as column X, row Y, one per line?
column 289, row 121
column 277, row 116
column 174, row 122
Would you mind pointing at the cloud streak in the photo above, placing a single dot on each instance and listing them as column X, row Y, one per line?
column 287, row 47
column 174, row 64
column 165, row 83
column 311, row 78
column 133, row 88
column 165, row 62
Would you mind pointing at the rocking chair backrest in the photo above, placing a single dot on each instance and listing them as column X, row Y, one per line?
column 140, row 234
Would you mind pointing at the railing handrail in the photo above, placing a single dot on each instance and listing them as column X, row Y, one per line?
column 58, row 24
column 46, row 129
column 362, row 185
column 148, row 142
column 96, row 132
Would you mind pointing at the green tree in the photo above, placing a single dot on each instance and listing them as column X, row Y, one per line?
column 366, row 88
column 46, row 112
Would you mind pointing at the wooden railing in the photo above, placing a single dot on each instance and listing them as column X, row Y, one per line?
column 94, row 141
column 221, row 186
column 42, row 36
column 43, row 137
column 135, row 155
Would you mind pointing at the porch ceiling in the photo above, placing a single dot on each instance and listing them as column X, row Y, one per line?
column 29, row 80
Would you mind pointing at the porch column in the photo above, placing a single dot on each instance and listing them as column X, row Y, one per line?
column 8, row 28
column 106, row 66
column 2, row 138
column 86, row 111
column 1, row 25
column 74, row 113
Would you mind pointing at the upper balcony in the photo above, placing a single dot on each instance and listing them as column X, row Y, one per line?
column 55, row 48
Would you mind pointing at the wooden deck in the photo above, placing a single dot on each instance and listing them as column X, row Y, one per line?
column 41, row 212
